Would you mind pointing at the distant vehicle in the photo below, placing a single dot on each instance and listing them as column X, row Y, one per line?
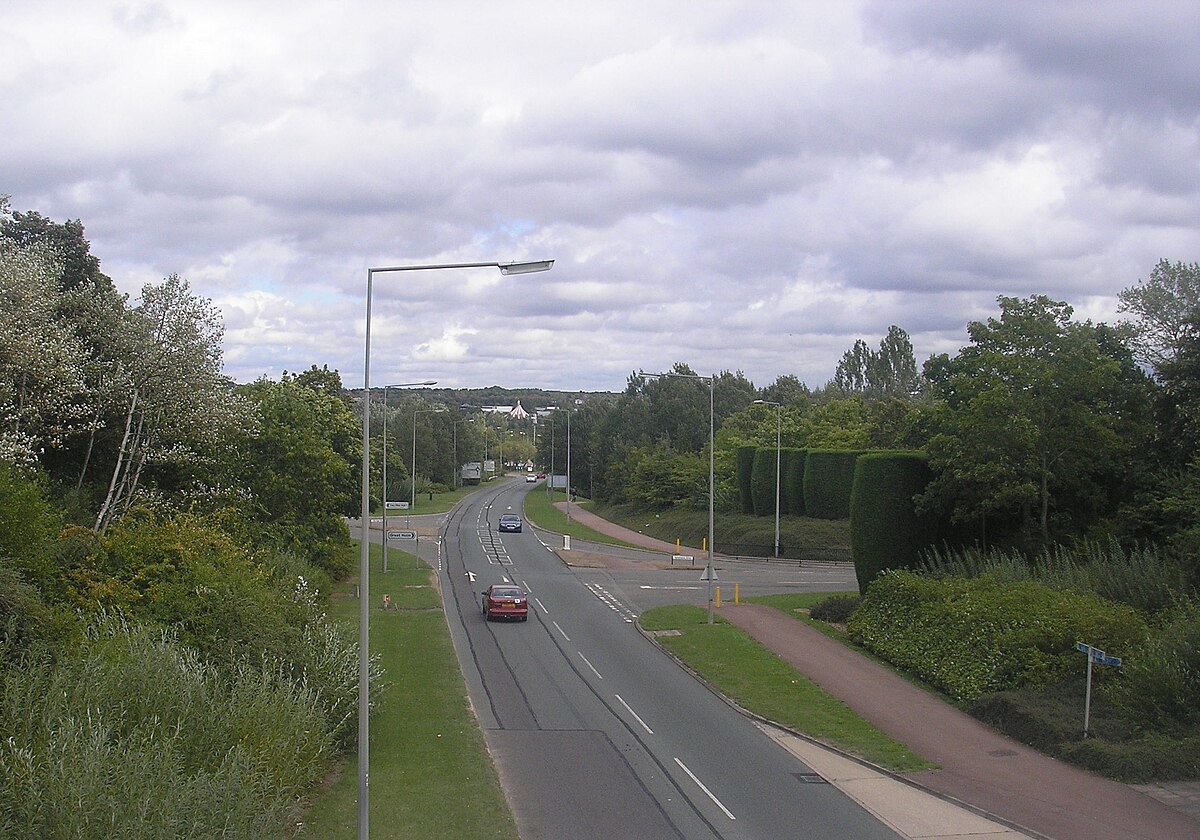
column 541, row 475
column 509, row 522
column 503, row 600
column 530, row 478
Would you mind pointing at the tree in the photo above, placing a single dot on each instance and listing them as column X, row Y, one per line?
column 890, row 372
column 1166, row 310
column 1035, row 409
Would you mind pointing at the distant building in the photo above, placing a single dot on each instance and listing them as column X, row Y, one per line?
column 514, row 412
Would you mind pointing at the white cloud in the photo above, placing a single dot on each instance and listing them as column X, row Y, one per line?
column 739, row 186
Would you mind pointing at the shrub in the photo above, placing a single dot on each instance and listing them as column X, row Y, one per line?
column 885, row 530
column 1159, row 686
column 762, row 481
column 828, row 480
column 793, row 480
column 745, row 469
column 836, row 609
column 971, row 637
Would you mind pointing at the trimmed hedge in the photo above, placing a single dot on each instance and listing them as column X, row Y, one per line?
column 745, row 468
column 828, row 480
column 969, row 637
column 885, row 530
column 792, row 486
column 762, row 481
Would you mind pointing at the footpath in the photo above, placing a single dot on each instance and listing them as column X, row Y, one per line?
column 983, row 776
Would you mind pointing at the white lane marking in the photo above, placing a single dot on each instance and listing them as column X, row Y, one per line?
column 560, row 630
column 525, row 586
column 538, row 601
column 590, row 665
column 673, row 588
column 635, row 715
column 708, row 792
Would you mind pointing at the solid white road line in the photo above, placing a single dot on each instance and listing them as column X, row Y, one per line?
column 636, row 717
column 590, row 665
column 707, row 792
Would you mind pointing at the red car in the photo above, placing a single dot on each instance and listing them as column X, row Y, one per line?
column 503, row 600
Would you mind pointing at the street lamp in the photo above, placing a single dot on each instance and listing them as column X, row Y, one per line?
column 712, row 381
column 385, row 490
column 364, row 569
column 778, row 436
column 413, row 478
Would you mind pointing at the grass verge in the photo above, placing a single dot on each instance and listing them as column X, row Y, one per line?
column 431, row 775
column 758, row 680
column 439, row 503
column 540, row 510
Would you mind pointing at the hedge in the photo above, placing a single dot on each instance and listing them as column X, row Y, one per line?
column 792, row 485
column 745, row 468
column 762, row 481
column 828, row 479
column 969, row 637
column 885, row 530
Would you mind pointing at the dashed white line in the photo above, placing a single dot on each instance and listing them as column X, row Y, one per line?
column 590, row 665
column 707, row 792
column 540, row 604
column 635, row 716
column 560, row 630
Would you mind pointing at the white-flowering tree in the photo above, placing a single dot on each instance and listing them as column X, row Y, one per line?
column 41, row 358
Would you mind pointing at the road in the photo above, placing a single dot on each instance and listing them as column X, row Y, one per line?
column 597, row 733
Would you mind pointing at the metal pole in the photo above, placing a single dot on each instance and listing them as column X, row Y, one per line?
column 364, row 614
column 385, row 489
column 1087, row 699
column 364, row 568
column 712, row 384
column 412, row 478
column 568, row 465
column 778, row 438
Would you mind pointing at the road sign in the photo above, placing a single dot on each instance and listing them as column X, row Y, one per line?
column 401, row 535
column 396, row 505
column 1106, row 660
column 704, row 575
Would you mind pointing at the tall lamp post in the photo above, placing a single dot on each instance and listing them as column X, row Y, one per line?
column 712, row 382
column 364, row 568
column 413, row 478
column 385, row 490
column 778, row 437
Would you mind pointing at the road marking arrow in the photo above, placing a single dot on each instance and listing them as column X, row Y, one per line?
column 471, row 575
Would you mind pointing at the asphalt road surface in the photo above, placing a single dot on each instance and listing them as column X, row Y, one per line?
column 598, row 734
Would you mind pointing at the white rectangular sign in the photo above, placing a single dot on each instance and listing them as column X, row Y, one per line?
column 401, row 535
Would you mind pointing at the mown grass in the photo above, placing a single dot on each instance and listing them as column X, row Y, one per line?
column 540, row 510
column 440, row 503
column 733, row 530
column 431, row 775
column 761, row 682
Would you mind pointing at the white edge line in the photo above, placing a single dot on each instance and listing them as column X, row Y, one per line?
column 708, row 792
column 560, row 630
column 635, row 715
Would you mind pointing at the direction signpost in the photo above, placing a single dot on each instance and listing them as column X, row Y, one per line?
column 1095, row 656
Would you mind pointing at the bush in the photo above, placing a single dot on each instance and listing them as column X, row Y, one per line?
column 1159, row 686
column 885, row 530
column 972, row 637
column 793, row 480
column 762, row 481
column 745, row 469
column 828, row 480
column 836, row 609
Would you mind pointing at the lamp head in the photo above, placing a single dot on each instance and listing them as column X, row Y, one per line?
column 526, row 267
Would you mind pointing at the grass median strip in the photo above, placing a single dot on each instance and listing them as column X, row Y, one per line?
column 540, row 510
column 764, row 684
column 431, row 775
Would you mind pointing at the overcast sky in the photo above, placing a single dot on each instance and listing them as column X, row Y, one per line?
column 737, row 185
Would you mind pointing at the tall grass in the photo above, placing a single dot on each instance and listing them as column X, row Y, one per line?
column 135, row 735
column 1144, row 578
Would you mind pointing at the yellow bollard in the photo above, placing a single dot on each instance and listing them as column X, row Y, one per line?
column 718, row 604
column 735, row 594
column 677, row 545
column 704, row 544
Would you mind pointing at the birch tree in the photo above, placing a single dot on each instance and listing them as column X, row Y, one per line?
column 174, row 400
